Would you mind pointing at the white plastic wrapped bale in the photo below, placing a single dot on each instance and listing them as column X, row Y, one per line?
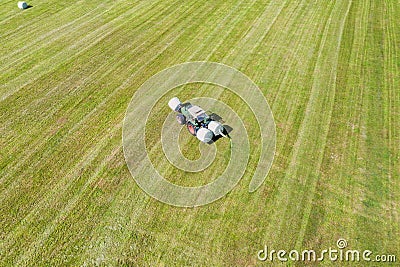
column 174, row 103
column 216, row 127
column 22, row 5
column 204, row 135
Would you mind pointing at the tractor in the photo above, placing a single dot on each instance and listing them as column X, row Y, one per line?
column 197, row 121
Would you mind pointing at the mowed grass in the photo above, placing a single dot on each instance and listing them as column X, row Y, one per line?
column 329, row 69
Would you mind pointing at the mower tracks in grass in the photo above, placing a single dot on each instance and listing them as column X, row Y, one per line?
column 105, row 70
column 189, row 222
column 172, row 35
column 324, row 131
column 51, row 36
column 62, row 188
column 319, row 104
column 279, row 203
column 329, row 70
column 188, row 226
column 127, row 82
column 392, row 114
column 376, row 177
column 71, row 52
column 338, row 195
column 26, row 18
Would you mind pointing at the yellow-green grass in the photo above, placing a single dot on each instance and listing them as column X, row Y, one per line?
column 329, row 70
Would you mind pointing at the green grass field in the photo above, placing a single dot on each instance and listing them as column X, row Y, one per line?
column 68, row 70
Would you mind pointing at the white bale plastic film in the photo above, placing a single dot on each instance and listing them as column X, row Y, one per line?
column 22, row 5
column 216, row 127
column 174, row 103
column 204, row 135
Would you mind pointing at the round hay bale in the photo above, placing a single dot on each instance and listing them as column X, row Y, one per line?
column 215, row 127
column 174, row 104
column 204, row 135
column 22, row 5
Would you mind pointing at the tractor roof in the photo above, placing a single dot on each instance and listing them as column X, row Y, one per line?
column 196, row 111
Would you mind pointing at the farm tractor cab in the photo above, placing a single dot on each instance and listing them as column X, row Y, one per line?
column 196, row 120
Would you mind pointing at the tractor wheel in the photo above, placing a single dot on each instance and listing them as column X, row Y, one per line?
column 181, row 119
column 191, row 129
